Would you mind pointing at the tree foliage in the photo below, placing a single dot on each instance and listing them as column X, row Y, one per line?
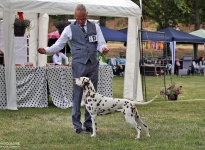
column 168, row 13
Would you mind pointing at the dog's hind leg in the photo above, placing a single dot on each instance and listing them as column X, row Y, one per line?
column 94, row 124
column 141, row 123
column 132, row 122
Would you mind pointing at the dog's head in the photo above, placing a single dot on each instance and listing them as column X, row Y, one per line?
column 82, row 81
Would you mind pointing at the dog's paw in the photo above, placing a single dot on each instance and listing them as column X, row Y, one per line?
column 93, row 135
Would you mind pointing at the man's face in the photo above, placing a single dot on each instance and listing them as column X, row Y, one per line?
column 81, row 17
column 57, row 53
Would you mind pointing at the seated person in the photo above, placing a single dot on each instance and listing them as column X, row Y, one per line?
column 200, row 64
column 57, row 58
column 177, row 67
column 121, row 61
column 1, row 57
column 159, row 69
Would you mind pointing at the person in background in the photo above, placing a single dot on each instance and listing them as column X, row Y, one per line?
column 200, row 64
column 121, row 61
column 204, row 62
column 57, row 58
column 177, row 67
column 159, row 68
column 86, row 39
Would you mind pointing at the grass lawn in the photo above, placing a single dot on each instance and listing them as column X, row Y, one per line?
column 173, row 125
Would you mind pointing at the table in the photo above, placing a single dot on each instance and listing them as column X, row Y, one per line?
column 60, row 84
column 149, row 70
column 3, row 102
column 31, row 87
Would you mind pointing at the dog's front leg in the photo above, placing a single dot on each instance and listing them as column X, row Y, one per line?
column 93, row 118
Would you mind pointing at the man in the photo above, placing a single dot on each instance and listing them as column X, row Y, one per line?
column 86, row 40
column 121, row 61
column 57, row 58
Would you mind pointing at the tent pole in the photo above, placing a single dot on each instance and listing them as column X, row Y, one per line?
column 195, row 50
column 38, row 15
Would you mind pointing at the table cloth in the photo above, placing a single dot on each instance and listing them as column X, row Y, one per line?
column 31, row 86
column 31, row 83
column 3, row 102
column 61, row 85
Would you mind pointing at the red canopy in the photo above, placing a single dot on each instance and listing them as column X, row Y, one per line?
column 54, row 35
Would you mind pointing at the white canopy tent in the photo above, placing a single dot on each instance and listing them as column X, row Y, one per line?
column 38, row 9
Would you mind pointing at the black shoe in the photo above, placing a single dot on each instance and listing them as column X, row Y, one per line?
column 80, row 131
column 89, row 129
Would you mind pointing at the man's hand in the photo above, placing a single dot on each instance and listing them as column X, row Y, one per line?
column 41, row 50
column 105, row 50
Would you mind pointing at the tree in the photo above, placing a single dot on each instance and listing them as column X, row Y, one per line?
column 161, row 11
column 168, row 13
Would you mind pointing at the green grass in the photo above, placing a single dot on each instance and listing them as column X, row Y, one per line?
column 192, row 86
column 177, row 125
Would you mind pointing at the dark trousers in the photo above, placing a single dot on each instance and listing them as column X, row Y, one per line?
column 82, row 70
column 121, row 70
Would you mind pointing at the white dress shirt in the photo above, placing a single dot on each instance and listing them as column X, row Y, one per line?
column 58, row 59
column 67, row 35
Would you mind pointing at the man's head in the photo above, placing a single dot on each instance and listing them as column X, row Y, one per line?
column 57, row 53
column 122, row 54
column 80, row 14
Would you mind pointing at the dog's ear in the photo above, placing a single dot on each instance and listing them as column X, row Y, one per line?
column 87, row 82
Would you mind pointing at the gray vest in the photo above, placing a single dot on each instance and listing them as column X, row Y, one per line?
column 81, row 49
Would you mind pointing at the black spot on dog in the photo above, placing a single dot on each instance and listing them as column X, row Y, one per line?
column 93, row 96
column 98, row 104
column 89, row 108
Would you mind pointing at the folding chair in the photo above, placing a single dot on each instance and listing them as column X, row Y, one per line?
column 112, row 62
column 186, row 68
column 195, row 67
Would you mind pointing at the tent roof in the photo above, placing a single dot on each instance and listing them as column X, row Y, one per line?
column 113, row 35
column 199, row 33
column 150, row 35
column 181, row 37
column 120, row 8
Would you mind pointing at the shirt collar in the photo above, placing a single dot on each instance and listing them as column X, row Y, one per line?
column 84, row 24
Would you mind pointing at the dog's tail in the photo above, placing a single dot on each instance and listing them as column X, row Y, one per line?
column 144, row 103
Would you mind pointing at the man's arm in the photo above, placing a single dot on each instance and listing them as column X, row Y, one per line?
column 59, row 44
column 102, row 46
column 65, row 57
column 55, row 60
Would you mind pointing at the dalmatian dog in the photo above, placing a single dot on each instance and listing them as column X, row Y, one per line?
column 97, row 104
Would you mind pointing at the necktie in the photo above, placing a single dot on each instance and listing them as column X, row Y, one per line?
column 83, row 29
